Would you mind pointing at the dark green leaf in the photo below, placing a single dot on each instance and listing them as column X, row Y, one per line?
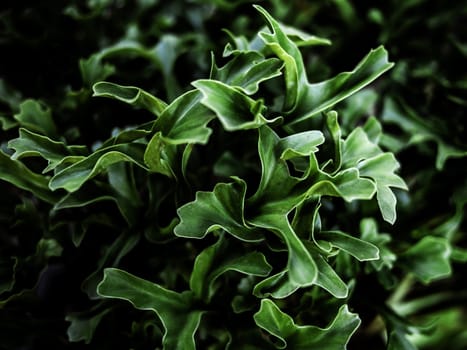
column 174, row 309
column 110, row 257
column 20, row 176
column 30, row 144
column 37, row 117
column 219, row 258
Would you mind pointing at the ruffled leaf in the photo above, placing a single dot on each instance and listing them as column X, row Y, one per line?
column 129, row 94
column 223, row 208
column 292, row 336
column 174, row 309
column 220, row 258
column 246, row 71
column 74, row 176
column 235, row 109
column 304, row 100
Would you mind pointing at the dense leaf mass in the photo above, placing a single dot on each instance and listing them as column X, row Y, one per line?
column 215, row 174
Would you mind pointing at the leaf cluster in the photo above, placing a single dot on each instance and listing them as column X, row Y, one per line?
column 171, row 192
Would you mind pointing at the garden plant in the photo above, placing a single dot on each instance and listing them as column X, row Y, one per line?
column 214, row 174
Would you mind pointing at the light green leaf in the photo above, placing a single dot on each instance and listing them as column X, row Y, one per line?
column 235, row 109
column 382, row 169
column 71, row 178
column 292, row 336
column 219, row 258
column 129, row 94
column 358, row 151
column 300, row 144
column 357, row 147
column 428, row 259
column 174, row 309
column 223, row 208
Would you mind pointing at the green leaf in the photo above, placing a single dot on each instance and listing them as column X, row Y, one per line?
column 185, row 120
column 223, row 208
column 359, row 249
column 246, row 71
column 300, row 144
column 74, row 176
column 20, row 176
column 328, row 279
column 358, row 151
column 301, row 267
column 37, row 117
column 428, row 259
column 276, row 184
column 278, row 286
column 156, row 157
column 304, row 100
column 332, row 125
column 347, row 184
column 369, row 233
column 288, row 52
column 382, row 169
column 174, row 309
column 292, row 336
column 129, row 94
column 235, row 109
column 30, row 144
column 219, row 258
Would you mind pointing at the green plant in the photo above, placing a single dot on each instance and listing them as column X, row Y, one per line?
column 245, row 209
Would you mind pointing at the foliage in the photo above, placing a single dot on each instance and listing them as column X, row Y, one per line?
column 167, row 184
